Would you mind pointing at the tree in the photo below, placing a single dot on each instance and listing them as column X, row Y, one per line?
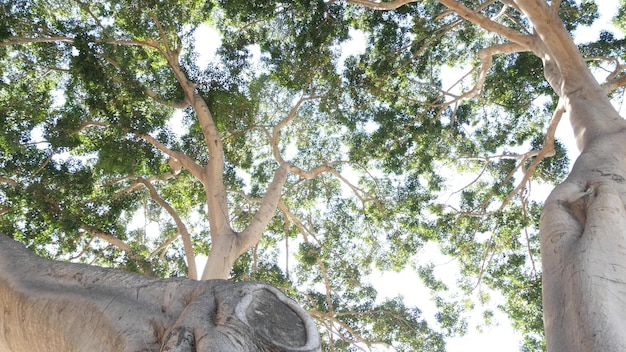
column 279, row 122
column 56, row 306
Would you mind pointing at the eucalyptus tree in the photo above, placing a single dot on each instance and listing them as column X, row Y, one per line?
column 350, row 152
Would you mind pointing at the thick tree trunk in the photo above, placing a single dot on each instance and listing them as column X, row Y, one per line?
column 583, row 244
column 53, row 306
column 583, row 224
column 227, row 246
column 583, row 229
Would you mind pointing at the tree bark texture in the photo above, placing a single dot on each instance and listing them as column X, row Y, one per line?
column 583, row 224
column 55, row 306
column 583, row 244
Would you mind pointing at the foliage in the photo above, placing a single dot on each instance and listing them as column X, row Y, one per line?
column 408, row 164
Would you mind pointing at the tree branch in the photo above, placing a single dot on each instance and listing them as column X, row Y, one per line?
column 92, row 15
column 546, row 151
column 275, row 136
column 487, row 24
column 163, row 245
column 172, row 104
column 112, row 240
column 182, row 228
column 9, row 181
column 379, row 5
column 559, row 52
column 187, row 162
column 486, row 59
column 313, row 173
column 306, row 232
column 211, row 176
column 252, row 234
column 25, row 40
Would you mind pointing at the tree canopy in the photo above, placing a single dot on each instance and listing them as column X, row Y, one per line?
column 377, row 156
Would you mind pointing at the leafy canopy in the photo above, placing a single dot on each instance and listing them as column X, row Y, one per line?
column 388, row 159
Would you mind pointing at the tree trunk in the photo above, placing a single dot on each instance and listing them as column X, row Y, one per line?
column 54, row 306
column 583, row 245
column 583, row 234
column 583, row 224
column 228, row 245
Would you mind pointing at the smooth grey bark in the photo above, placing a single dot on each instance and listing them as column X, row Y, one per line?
column 56, row 306
column 583, row 224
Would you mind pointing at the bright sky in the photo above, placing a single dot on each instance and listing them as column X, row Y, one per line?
column 499, row 337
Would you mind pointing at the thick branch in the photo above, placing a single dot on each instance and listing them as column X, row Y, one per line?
column 56, row 306
column 213, row 180
column 187, row 162
column 590, row 111
column 212, row 175
column 554, row 35
column 252, row 234
column 378, row 5
column 182, row 229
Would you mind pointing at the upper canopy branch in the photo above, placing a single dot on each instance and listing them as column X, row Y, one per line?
column 458, row 8
column 66, row 39
column 275, row 135
column 86, row 8
column 547, row 150
column 613, row 84
column 27, row 40
column 185, row 160
column 486, row 59
column 9, row 181
column 488, row 24
column 616, row 77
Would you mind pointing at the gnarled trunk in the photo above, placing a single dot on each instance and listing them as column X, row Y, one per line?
column 54, row 306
